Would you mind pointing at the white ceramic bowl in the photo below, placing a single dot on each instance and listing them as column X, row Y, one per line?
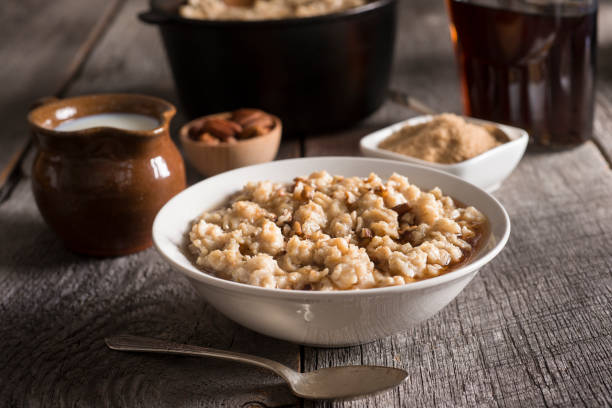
column 487, row 170
column 323, row 318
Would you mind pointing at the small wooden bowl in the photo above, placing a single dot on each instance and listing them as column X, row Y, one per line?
column 214, row 159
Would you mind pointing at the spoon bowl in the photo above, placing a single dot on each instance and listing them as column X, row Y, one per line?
column 346, row 381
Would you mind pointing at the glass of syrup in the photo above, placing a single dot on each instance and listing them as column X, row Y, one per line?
column 528, row 63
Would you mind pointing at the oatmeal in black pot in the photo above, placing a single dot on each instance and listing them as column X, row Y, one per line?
column 316, row 73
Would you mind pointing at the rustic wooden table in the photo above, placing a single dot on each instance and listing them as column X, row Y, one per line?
column 533, row 329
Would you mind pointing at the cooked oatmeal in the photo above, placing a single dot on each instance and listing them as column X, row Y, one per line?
column 326, row 232
column 263, row 9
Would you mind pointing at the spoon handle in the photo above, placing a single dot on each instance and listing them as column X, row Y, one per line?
column 149, row 345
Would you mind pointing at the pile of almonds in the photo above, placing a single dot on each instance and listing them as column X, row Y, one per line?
column 241, row 124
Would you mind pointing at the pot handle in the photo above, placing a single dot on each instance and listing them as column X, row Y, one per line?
column 153, row 17
column 42, row 101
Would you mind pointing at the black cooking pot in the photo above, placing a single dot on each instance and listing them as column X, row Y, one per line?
column 316, row 73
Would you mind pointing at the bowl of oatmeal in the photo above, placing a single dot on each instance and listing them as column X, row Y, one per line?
column 319, row 65
column 331, row 251
column 479, row 151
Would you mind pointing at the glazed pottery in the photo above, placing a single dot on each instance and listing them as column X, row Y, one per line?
column 100, row 188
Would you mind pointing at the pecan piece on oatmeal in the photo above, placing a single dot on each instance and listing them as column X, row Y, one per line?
column 380, row 190
column 366, row 233
column 401, row 209
column 405, row 234
column 297, row 228
column 302, row 191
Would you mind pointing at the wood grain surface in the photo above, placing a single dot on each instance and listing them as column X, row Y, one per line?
column 57, row 307
column 603, row 111
column 533, row 329
column 42, row 48
column 58, row 339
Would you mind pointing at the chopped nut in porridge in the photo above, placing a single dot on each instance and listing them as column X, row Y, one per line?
column 326, row 232
column 263, row 9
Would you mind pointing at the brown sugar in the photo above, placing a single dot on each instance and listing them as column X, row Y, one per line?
column 447, row 139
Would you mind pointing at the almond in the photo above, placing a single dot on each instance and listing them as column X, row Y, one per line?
column 264, row 121
column 244, row 115
column 208, row 139
column 221, row 128
column 195, row 130
column 252, row 131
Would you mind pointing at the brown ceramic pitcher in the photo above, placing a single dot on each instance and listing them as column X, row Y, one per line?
column 100, row 188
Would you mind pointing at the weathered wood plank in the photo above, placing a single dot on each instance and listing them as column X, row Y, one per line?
column 58, row 306
column 534, row 328
column 602, row 126
column 39, row 41
column 530, row 330
column 603, row 112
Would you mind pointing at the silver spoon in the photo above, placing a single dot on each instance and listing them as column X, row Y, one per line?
column 326, row 383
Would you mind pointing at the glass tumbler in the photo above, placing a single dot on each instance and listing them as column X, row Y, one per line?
column 528, row 63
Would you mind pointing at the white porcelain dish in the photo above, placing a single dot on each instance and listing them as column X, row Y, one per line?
column 324, row 318
column 487, row 170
